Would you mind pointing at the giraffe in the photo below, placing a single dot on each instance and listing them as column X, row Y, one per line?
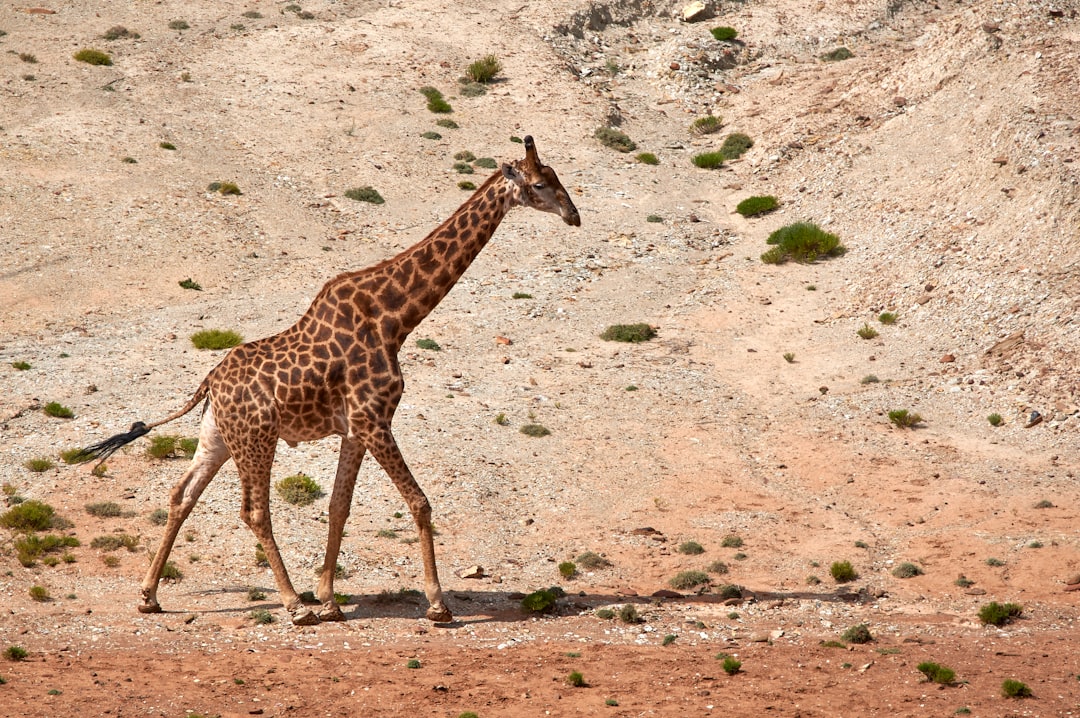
column 336, row 371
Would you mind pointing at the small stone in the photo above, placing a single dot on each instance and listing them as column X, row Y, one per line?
column 823, row 389
column 1033, row 419
column 625, row 591
column 471, row 572
column 674, row 66
column 507, row 341
column 991, row 27
column 1001, row 160
column 975, row 592
column 778, row 633
column 947, row 359
column 759, row 638
column 695, row 12
column 923, row 299
column 1073, row 580
column 899, row 101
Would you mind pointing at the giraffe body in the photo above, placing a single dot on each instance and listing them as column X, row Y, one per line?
column 336, row 372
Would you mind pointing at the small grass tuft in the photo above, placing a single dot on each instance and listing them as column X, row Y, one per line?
column 39, row 464
column 1015, row 689
column 171, row 573
column 166, row 145
column 843, row 572
column 463, row 168
column 535, row 430
column 718, row 567
column 487, row 163
column 936, row 673
column 190, row 283
column 605, row 613
column 614, row 139
column 857, row 634
column 904, row 419
column 708, row 160
column 685, row 580
column 647, row 158
column 162, row 446
column 262, row 617
column 995, row 419
column 631, row 333
column 867, row 332
column 15, row 653
column 789, row 357
column 104, row 509
column 93, row 57
column 436, row 103
column 628, row 613
column 216, row 339
column 1044, row 504
column 735, row 145
column 998, row 614
column 364, row 194
column 447, row 123
column 179, row 25
column 29, row 516
column 299, row 489
column 542, row 601
column 870, row 379
column 732, row 541
column 484, row 70
column 731, row 665
column 429, row 344
column 907, row 570
column 591, row 561
column 724, row 33
column 707, row 125
column 58, row 410
column 466, row 185
column 567, row 569
column 888, row 317
column 158, row 517
column 654, row 218
column 20, row 365
column 757, row 205
column 838, row 54
column 431, row 135
column 40, row 594
column 802, row 242
column 114, row 542
column 576, row 680
column 691, row 548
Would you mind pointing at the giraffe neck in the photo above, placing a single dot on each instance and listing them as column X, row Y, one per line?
column 426, row 272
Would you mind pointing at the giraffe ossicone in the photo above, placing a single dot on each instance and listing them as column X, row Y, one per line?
column 335, row 371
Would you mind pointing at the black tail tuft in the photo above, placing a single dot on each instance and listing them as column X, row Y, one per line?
column 106, row 448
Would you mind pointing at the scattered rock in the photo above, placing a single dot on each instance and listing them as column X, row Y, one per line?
column 947, row 359
column 695, row 12
column 975, row 592
column 1033, row 419
column 471, row 572
column 1073, row 580
column 1000, row 160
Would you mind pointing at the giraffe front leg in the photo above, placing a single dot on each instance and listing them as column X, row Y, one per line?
column 385, row 450
column 351, row 455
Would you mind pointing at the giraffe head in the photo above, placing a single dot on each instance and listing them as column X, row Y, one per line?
column 539, row 187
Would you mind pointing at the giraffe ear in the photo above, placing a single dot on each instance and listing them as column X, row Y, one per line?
column 511, row 173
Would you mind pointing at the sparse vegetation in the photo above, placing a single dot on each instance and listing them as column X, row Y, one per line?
column 466, row 185
column 632, row 333
column 735, row 145
column 708, row 160
column 114, row 542
column 39, row 464
column 20, row 365
column 386, row 534
column 730, row 591
column 869, row 379
column 567, row 569
column 261, row 617
column 93, row 57
column 724, row 33
column 252, row 15
column 802, row 242
column 412, row 663
column 158, row 517
column 837, row 54
column 843, row 572
column 888, row 317
column 963, row 581
column 718, row 567
column 706, row 125
column 162, row 446
column 605, row 613
column 732, row 541
column 28, row 58
column 647, row 158
column 904, row 419
column 431, row 135
column 1044, row 504
column 731, row 665
column 654, row 218
column 998, row 614
column 29, row 516
column 487, row 163
column 216, row 339
column 166, row 145
column 628, row 613
column 591, row 561
column 857, row 634
column 15, row 653
column 179, row 25
column 429, row 344
column 936, row 673
column 436, row 103
column 40, row 594
column 994, row 562
column 485, row 69
column 995, row 419
column 535, row 430
column 58, row 410
column 576, row 680
column 757, row 205
column 299, row 490
column 521, row 295
column 906, row 570
column 1011, row 688
column 365, row 194
column 447, row 123
column 104, row 509
column 225, row 188
column 691, row 548
column 190, row 283
column 171, row 573
column 542, row 601
column 30, row 546
column 463, row 168
column 685, row 580
column 614, row 139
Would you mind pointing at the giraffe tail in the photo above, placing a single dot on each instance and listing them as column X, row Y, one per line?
column 104, row 449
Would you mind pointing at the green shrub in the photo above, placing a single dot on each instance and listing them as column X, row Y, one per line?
column 789, row 357
column 685, row 580
column 906, row 570
column 614, row 139
column 647, row 158
column 386, row 533
column 730, row 591
column 724, row 34
column 995, row 419
column 605, row 613
column 28, row 516
column 436, row 103
column 162, row 446
column 869, row 379
column 732, row 665
column 93, row 57
column 20, row 365
column 179, row 25
column 15, row 653
column 866, row 331
column 365, row 194
column 840, row 53
column 567, row 569
column 39, row 594
column 412, row 663
column 843, row 572
column 669, row 639
column 654, row 218
column 39, row 464
column 732, row 541
column 252, row 15
column 757, row 205
column 535, row 430
column 1014, row 689
column 708, row 160
column 262, row 617
column 216, row 339
column 591, row 561
column 430, row 135
column 447, row 123
column 735, row 145
column 487, row 163
column 718, row 567
column 632, row 333
column 904, row 419
column 58, row 410
column 628, row 613
column 463, row 168
column 30, row 546
column 802, row 242
column 226, row 188
column 158, row 517
column 963, row 581
column 691, row 548
column 994, row 562
column 464, row 156
column 104, row 509
column 888, row 317
column 166, row 145
column 542, row 601
column 468, row 88
column 576, row 680
column 429, row 344
column 484, row 70
column 466, row 185
column 190, row 283
column 299, row 489
column 114, row 542
column 119, row 32
column 171, row 573
column 936, row 673
column 857, row 634
column 997, row 614
column 706, row 125
column 1044, row 504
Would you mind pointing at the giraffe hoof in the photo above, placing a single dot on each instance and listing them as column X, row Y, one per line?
column 440, row 614
column 149, row 607
column 304, row 616
column 331, row 612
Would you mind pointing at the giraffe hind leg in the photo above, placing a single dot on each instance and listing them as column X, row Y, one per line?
column 349, row 459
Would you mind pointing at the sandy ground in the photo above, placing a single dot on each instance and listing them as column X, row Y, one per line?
column 942, row 153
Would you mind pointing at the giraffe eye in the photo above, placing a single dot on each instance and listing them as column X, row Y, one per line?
column 539, row 186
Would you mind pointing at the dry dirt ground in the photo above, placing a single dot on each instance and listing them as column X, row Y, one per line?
column 943, row 155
